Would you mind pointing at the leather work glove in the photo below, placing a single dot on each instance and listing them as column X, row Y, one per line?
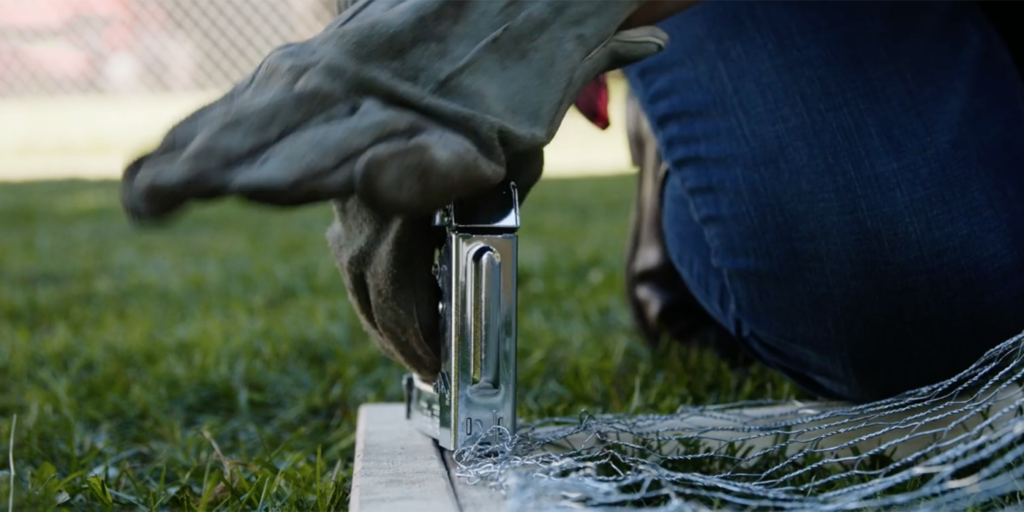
column 397, row 108
column 386, row 263
column 501, row 73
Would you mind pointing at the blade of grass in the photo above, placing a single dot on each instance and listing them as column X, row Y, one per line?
column 10, row 496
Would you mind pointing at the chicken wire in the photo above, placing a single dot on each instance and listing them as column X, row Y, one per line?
column 50, row 47
column 955, row 445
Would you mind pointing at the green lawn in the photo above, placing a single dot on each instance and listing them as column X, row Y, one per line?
column 215, row 364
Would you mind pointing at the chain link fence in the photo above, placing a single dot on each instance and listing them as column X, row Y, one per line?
column 50, row 47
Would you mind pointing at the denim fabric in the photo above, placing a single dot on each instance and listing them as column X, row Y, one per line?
column 846, row 192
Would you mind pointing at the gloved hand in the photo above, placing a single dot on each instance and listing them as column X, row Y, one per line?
column 386, row 263
column 500, row 73
column 396, row 109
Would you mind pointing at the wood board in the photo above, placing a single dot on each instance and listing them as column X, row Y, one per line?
column 399, row 469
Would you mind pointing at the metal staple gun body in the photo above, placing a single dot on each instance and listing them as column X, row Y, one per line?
column 476, row 269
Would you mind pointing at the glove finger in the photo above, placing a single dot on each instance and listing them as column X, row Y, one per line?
column 406, row 295
column 412, row 164
column 622, row 49
column 249, row 153
column 301, row 169
column 357, row 283
column 256, row 110
column 386, row 266
column 247, row 126
column 194, row 159
column 315, row 163
column 142, row 207
column 420, row 175
column 185, row 131
column 182, row 134
column 407, row 164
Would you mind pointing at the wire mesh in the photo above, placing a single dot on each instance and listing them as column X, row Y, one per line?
column 52, row 47
column 955, row 445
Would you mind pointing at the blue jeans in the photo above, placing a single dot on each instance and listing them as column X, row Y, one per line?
column 846, row 184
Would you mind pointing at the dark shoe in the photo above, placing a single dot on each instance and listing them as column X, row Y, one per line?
column 659, row 299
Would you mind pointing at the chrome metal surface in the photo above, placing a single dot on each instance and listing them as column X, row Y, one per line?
column 422, row 406
column 476, row 269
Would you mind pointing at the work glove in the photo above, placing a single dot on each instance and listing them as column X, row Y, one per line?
column 500, row 73
column 397, row 108
column 387, row 262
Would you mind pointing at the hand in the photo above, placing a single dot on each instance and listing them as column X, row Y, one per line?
column 396, row 109
column 386, row 263
column 320, row 119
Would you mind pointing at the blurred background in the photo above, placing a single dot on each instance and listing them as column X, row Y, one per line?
column 85, row 85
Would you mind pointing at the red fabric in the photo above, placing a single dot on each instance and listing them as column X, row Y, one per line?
column 593, row 102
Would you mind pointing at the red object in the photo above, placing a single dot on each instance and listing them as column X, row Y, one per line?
column 593, row 102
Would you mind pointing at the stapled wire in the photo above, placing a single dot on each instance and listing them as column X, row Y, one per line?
column 955, row 445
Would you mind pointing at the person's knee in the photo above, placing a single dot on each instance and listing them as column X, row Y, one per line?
column 829, row 202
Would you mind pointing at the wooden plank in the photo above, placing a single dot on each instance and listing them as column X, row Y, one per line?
column 397, row 468
column 472, row 498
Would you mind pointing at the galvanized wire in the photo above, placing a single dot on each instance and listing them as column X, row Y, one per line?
column 955, row 445
column 50, row 47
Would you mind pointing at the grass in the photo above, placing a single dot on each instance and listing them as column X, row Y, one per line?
column 215, row 364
